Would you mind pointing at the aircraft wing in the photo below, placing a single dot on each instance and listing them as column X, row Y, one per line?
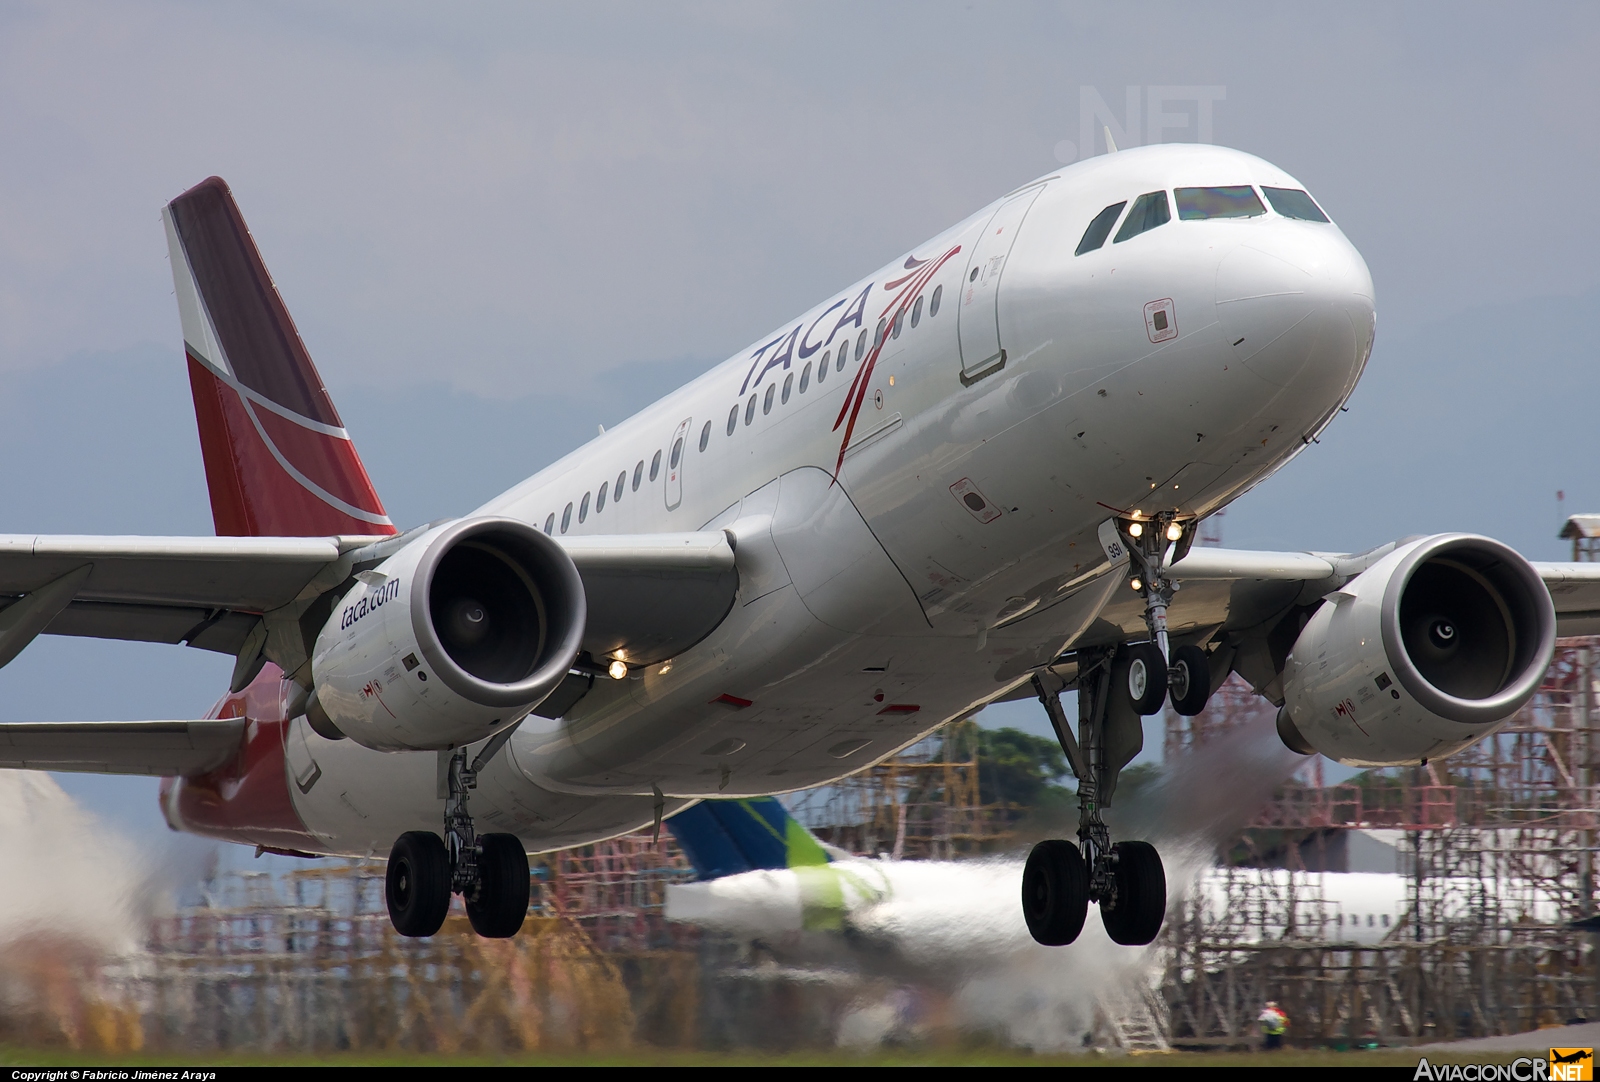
column 1574, row 587
column 161, row 748
column 654, row 594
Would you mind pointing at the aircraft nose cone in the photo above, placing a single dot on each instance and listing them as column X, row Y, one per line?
column 1297, row 301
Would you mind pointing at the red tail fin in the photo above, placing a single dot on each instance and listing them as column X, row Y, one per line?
column 278, row 460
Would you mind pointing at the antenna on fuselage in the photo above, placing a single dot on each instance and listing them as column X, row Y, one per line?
column 1111, row 144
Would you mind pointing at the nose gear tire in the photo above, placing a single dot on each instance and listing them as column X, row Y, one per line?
column 1140, row 672
column 417, row 884
column 502, row 898
column 1055, row 892
column 1141, row 903
column 1190, row 680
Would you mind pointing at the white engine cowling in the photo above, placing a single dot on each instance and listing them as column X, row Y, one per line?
column 451, row 639
column 1423, row 653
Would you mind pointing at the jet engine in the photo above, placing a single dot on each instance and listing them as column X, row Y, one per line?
column 449, row 640
column 1423, row 653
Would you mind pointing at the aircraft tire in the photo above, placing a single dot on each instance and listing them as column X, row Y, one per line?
column 1140, row 672
column 502, row 902
column 1190, row 680
column 417, row 884
column 1141, row 895
column 1055, row 892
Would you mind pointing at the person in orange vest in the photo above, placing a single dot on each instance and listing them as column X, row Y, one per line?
column 1274, row 1024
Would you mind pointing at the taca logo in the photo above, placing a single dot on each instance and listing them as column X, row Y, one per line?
column 374, row 600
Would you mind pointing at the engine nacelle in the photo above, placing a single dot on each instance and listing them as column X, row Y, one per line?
column 452, row 638
column 1423, row 653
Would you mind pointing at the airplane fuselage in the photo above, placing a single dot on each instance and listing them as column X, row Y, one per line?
column 914, row 472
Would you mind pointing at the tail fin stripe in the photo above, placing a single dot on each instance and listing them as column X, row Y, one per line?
column 329, row 464
column 258, row 399
column 311, row 486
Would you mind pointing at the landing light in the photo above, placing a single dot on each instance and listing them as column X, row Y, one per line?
column 1136, row 584
column 618, row 670
column 1174, row 532
column 1136, row 530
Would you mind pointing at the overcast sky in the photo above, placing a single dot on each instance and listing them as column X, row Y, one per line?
column 498, row 225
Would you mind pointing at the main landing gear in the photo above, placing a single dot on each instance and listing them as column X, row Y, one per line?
column 489, row 872
column 1115, row 689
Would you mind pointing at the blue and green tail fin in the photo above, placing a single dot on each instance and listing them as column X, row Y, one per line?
column 726, row 837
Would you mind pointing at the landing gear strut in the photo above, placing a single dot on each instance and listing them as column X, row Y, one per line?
column 489, row 872
column 1060, row 879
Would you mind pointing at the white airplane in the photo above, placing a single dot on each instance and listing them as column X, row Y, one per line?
column 763, row 876
column 975, row 472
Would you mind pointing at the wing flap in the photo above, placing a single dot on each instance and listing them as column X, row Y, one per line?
column 1575, row 591
column 652, row 596
column 1217, row 564
column 160, row 748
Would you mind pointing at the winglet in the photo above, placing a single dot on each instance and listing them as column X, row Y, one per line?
column 278, row 459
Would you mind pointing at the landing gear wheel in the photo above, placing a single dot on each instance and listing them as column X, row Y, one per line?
column 502, row 901
column 1189, row 677
column 1055, row 892
column 417, row 883
column 1141, row 895
column 1141, row 672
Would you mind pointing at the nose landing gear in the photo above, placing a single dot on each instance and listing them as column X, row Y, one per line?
column 489, row 872
column 1125, row 879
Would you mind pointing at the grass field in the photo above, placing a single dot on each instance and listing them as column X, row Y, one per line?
column 17, row 1057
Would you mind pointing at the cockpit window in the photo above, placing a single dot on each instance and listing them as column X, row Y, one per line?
column 1149, row 211
column 1293, row 203
column 1099, row 229
column 1237, row 201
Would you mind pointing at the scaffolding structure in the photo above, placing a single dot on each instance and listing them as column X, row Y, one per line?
column 924, row 803
column 1497, row 846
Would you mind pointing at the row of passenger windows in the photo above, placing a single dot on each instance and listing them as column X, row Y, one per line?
column 1194, row 204
column 830, row 360
column 612, row 488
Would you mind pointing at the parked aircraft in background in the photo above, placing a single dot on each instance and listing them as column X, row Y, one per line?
column 763, row 876
column 975, row 473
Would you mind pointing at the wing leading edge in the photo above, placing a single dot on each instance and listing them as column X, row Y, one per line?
column 655, row 594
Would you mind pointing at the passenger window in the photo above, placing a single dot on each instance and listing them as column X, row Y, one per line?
column 566, row 518
column 750, row 410
column 933, row 305
column 877, row 338
column 616, row 490
column 600, row 500
column 1293, row 203
column 583, row 508
column 638, row 472
column 1095, row 236
column 1385, row 920
column 766, row 403
column 1237, row 201
column 899, row 321
column 788, row 385
column 733, row 419
column 805, row 374
column 822, row 366
column 677, row 453
column 916, row 312
column 1149, row 211
column 550, row 523
column 705, row 436
column 861, row 348
column 655, row 466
